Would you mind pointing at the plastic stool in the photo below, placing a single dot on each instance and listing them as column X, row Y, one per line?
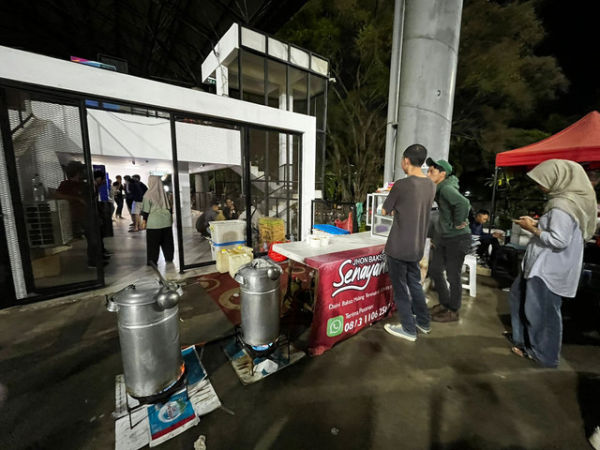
column 470, row 263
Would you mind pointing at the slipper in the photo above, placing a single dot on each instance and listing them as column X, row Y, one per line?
column 520, row 352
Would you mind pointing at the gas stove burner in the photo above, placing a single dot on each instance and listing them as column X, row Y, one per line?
column 261, row 348
column 264, row 351
column 259, row 351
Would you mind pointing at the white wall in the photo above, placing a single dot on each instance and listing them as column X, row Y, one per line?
column 123, row 134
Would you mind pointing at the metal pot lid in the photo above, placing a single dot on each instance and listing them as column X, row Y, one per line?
column 258, row 268
column 143, row 293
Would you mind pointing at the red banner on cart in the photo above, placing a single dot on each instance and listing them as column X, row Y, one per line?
column 354, row 290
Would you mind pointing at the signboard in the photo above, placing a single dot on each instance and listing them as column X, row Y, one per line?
column 353, row 291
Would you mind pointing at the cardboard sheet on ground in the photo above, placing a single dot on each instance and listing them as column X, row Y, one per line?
column 139, row 425
column 251, row 370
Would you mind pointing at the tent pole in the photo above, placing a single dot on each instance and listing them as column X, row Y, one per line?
column 494, row 198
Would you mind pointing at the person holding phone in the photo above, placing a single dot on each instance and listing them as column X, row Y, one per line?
column 553, row 259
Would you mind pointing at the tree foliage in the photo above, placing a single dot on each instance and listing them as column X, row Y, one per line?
column 356, row 36
column 502, row 87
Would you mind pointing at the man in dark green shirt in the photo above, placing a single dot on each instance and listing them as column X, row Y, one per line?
column 451, row 241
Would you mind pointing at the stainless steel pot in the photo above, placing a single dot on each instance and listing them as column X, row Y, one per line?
column 260, row 297
column 148, row 318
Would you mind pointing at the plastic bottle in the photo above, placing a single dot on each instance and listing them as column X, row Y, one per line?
column 39, row 192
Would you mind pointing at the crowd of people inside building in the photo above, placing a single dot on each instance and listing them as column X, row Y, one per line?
column 149, row 206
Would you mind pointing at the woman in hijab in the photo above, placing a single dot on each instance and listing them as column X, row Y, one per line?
column 553, row 259
column 156, row 212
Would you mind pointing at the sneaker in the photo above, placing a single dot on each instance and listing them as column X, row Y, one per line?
column 424, row 330
column 437, row 308
column 445, row 316
column 595, row 438
column 398, row 331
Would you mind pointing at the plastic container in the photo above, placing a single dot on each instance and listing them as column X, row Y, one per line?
column 237, row 260
column 277, row 257
column 226, row 232
column 222, row 256
column 330, row 229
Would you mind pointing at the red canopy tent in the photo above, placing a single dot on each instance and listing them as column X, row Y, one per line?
column 579, row 142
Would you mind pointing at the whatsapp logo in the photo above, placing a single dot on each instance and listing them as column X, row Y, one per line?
column 335, row 326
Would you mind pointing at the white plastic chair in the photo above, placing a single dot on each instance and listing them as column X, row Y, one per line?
column 470, row 264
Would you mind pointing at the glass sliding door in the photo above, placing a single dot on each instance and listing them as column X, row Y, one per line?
column 208, row 187
column 274, row 180
column 129, row 144
column 53, row 194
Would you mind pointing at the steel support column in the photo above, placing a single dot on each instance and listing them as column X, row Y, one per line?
column 392, row 113
column 427, row 78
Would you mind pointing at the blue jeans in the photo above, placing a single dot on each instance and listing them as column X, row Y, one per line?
column 536, row 319
column 408, row 294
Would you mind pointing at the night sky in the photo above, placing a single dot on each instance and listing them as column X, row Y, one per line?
column 573, row 38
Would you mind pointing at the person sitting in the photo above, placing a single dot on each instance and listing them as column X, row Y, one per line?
column 202, row 224
column 230, row 211
column 485, row 239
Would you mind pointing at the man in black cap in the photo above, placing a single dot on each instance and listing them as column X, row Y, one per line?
column 451, row 241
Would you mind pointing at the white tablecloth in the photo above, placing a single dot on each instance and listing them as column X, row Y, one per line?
column 300, row 250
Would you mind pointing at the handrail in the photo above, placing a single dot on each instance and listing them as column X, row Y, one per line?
column 263, row 175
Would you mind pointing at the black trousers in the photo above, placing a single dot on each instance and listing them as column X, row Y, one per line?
column 157, row 239
column 448, row 256
column 483, row 250
column 119, row 202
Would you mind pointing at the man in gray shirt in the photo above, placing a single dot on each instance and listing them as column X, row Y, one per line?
column 409, row 202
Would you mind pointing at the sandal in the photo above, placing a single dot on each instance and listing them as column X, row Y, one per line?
column 521, row 352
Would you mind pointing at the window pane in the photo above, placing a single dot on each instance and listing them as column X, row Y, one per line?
column 317, row 100
column 277, row 87
column 210, row 172
column 253, row 77
column 320, row 150
column 253, row 39
column 274, row 195
column 298, row 91
column 232, row 74
column 61, row 215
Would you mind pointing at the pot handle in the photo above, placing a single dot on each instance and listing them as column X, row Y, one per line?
column 273, row 273
column 111, row 306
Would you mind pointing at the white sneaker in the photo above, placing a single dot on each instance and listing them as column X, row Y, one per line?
column 595, row 438
column 398, row 331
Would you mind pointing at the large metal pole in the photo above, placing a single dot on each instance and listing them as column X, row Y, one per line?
column 428, row 75
column 392, row 113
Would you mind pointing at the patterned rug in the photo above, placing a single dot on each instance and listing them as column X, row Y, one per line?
column 225, row 291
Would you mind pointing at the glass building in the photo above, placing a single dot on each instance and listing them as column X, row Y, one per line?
column 62, row 122
column 249, row 65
